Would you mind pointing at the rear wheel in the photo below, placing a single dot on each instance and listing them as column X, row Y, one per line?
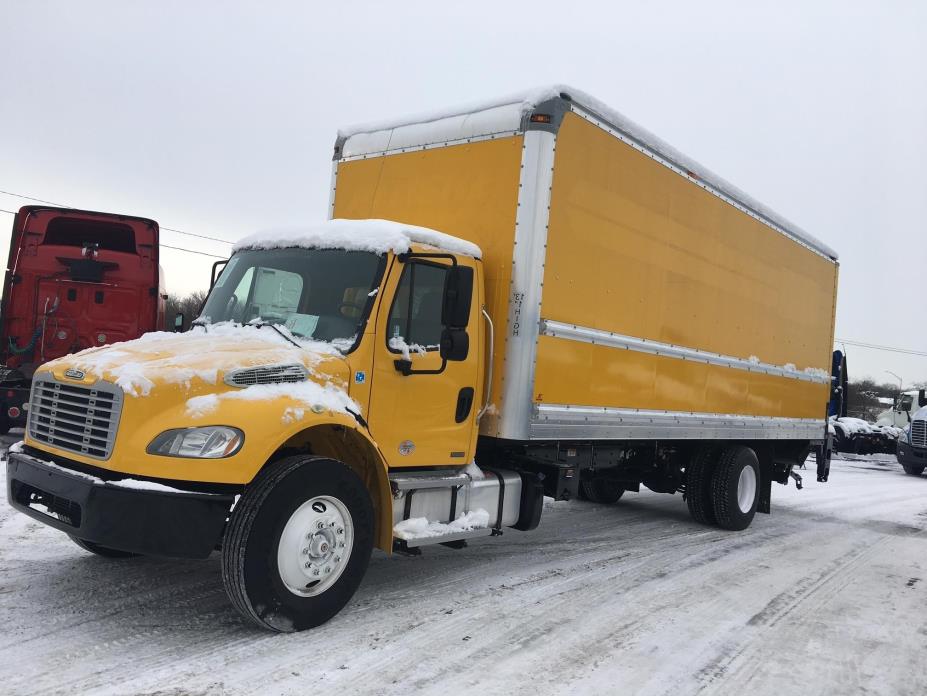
column 698, row 485
column 735, row 488
column 298, row 543
column 912, row 469
column 103, row 551
column 600, row 490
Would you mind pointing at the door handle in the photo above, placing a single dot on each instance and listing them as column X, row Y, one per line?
column 464, row 404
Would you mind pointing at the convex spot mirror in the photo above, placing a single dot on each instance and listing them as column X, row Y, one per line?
column 455, row 344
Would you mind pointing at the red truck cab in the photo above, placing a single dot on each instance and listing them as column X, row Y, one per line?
column 75, row 279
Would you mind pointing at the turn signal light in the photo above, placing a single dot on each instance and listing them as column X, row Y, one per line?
column 540, row 118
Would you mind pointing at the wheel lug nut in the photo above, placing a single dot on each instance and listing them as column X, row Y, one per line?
column 341, row 545
column 340, row 530
column 308, row 564
column 337, row 558
column 315, row 572
column 320, row 525
column 328, row 570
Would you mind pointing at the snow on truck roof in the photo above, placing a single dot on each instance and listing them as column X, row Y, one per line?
column 508, row 115
column 377, row 236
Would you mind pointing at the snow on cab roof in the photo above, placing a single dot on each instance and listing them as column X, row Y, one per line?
column 507, row 115
column 377, row 236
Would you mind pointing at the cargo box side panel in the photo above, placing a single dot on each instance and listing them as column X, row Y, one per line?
column 467, row 190
column 661, row 297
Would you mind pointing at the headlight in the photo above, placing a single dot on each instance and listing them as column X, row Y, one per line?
column 212, row 442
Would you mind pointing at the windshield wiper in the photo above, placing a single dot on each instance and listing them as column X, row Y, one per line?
column 262, row 324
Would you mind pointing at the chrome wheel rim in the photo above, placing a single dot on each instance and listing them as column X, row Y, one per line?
column 746, row 489
column 315, row 546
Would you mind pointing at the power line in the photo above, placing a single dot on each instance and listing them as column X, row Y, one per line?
column 874, row 346
column 192, row 251
column 169, row 229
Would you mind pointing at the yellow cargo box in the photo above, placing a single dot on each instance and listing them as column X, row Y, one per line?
column 635, row 294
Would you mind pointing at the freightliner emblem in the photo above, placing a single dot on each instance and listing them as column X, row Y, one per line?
column 74, row 374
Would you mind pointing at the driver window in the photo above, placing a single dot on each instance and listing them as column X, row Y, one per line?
column 415, row 315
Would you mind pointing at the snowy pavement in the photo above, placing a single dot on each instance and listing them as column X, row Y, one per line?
column 828, row 595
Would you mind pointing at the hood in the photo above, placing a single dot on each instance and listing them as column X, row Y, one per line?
column 920, row 414
column 199, row 360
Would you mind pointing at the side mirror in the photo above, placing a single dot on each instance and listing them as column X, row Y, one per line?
column 922, row 397
column 458, row 292
column 904, row 406
column 178, row 321
column 455, row 344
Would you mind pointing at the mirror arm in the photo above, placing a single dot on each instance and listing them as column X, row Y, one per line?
column 405, row 367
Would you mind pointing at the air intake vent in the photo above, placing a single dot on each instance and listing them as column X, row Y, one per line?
column 266, row 374
column 74, row 417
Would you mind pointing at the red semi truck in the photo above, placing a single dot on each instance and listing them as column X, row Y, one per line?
column 75, row 279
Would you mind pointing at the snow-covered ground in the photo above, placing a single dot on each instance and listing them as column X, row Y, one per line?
column 825, row 596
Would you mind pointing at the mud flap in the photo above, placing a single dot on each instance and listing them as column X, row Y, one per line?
column 765, row 492
column 822, row 458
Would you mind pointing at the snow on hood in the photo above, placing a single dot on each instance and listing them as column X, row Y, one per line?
column 920, row 414
column 203, row 354
column 376, row 236
column 506, row 114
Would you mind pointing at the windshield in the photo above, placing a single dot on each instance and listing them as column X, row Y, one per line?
column 323, row 294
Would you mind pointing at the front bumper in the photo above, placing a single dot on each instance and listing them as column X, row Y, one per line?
column 912, row 456
column 161, row 522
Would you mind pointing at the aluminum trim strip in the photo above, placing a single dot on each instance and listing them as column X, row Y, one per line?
column 431, row 146
column 583, row 334
column 629, row 140
column 524, row 315
column 560, row 421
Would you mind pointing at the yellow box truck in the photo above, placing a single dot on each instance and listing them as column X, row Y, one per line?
column 597, row 312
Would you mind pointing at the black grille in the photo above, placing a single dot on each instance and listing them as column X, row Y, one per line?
column 74, row 417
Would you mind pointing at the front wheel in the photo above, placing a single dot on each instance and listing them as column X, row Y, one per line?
column 298, row 543
column 912, row 469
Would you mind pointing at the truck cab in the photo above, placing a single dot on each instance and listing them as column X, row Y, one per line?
column 900, row 414
column 332, row 375
column 912, row 444
column 75, row 279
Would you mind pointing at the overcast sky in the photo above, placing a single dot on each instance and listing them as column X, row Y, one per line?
column 219, row 118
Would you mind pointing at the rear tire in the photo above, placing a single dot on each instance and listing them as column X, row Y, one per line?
column 103, row 551
column 600, row 490
column 298, row 543
column 698, row 485
column 735, row 488
column 912, row 469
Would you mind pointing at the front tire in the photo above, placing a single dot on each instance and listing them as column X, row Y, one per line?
column 735, row 488
column 298, row 543
column 912, row 469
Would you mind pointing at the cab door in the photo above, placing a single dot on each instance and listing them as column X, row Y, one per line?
column 422, row 407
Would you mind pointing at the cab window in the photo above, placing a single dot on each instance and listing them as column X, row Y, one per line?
column 415, row 317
